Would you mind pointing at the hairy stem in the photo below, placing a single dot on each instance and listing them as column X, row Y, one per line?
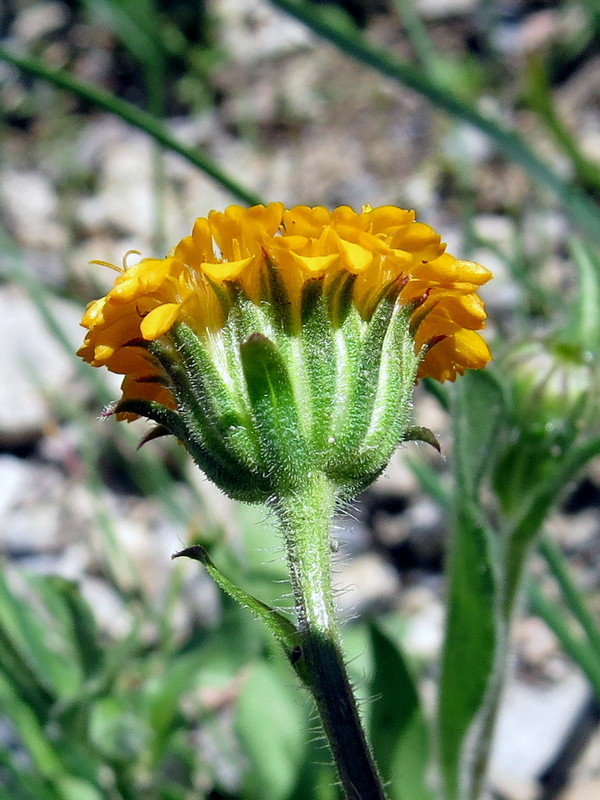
column 306, row 519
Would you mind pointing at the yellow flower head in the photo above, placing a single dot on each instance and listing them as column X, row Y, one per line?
column 375, row 249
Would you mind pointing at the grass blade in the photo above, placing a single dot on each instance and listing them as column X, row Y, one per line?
column 133, row 116
column 578, row 205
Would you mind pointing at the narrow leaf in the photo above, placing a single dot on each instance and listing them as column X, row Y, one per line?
column 272, row 728
column 32, row 733
column 477, row 412
column 279, row 625
column 398, row 730
column 472, row 642
column 421, row 434
column 584, row 324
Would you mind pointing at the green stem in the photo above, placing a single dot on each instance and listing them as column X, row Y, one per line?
column 521, row 534
column 133, row 116
column 305, row 519
column 576, row 203
column 579, row 650
column 571, row 594
column 519, row 545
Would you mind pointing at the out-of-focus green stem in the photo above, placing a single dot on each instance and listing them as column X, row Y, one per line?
column 579, row 650
column 417, row 33
column 580, row 208
column 522, row 534
column 133, row 116
column 572, row 596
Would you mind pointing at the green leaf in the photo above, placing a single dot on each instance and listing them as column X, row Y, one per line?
column 74, row 636
column 470, row 653
column 279, row 625
column 82, row 625
column 29, row 652
column 430, row 481
column 583, row 652
column 18, row 784
column 272, row 729
column 584, row 325
column 420, row 434
column 72, row 788
column 478, row 414
column 520, row 535
column 31, row 732
column 474, row 634
column 398, row 730
column 133, row 23
column 118, row 731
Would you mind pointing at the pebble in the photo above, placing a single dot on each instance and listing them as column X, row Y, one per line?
column 574, row 531
column 34, row 369
column 366, row 583
column 252, row 30
column 532, row 725
column 425, row 615
column 442, row 9
column 536, row 643
column 110, row 609
column 588, row 790
column 30, row 205
column 38, row 20
column 398, row 479
column 124, row 199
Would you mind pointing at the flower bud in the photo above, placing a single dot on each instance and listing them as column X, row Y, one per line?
column 554, row 388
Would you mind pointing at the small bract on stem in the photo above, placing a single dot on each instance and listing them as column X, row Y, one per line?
column 281, row 347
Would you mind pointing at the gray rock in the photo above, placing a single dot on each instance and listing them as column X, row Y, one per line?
column 30, row 204
column 423, row 613
column 253, row 30
column 366, row 583
column 532, row 724
column 38, row 20
column 30, row 506
column 442, row 9
column 35, row 370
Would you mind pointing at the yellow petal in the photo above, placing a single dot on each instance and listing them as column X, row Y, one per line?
column 159, row 321
column 102, row 353
column 356, row 258
column 94, row 313
column 471, row 272
column 226, row 270
column 471, row 349
column 314, row 264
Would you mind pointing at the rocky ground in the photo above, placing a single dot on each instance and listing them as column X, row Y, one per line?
column 297, row 122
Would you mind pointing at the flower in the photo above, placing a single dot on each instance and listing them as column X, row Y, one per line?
column 378, row 247
column 281, row 343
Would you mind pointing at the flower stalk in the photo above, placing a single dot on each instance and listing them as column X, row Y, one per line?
column 305, row 520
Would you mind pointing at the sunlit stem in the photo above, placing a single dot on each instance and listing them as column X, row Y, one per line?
column 305, row 519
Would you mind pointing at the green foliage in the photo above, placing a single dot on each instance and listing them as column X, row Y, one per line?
column 473, row 630
column 398, row 730
column 89, row 719
column 271, row 722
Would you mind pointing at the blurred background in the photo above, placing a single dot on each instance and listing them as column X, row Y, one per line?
column 123, row 675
